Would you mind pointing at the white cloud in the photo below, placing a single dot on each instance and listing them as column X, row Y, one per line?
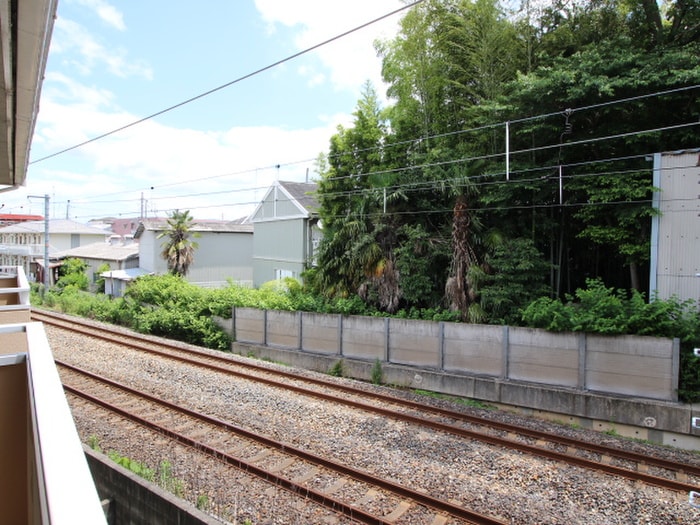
column 106, row 12
column 82, row 50
column 214, row 174
column 351, row 59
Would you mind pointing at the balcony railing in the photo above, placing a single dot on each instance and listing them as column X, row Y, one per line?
column 44, row 476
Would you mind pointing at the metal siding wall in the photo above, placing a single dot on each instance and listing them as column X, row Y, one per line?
column 277, row 245
column 679, row 227
column 221, row 256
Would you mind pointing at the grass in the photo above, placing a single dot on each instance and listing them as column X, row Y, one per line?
column 165, row 480
column 473, row 403
column 337, row 369
column 376, row 374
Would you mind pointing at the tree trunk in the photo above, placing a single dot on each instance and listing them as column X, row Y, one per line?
column 634, row 276
column 456, row 288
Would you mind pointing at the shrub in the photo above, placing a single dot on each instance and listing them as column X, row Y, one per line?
column 598, row 309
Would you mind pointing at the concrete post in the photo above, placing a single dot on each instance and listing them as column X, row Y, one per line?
column 582, row 361
column 505, row 352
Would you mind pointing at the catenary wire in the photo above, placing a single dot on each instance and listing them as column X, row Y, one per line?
column 441, row 135
column 232, row 82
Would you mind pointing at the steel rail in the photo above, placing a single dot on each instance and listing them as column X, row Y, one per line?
column 345, row 470
column 508, row 443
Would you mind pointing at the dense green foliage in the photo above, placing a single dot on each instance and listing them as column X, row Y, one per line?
column 417, row 207
column 424, row 216
column 167, row 305
column 71, row 274
column 603, row 310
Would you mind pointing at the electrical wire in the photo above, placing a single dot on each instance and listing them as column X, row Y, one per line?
column 232, row 82
column 570, row 111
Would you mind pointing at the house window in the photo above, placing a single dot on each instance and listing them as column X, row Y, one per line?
column 281, row 274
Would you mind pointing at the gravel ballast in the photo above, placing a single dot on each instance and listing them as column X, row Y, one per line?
column 520, row 489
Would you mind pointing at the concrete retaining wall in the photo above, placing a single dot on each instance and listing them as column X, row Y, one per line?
column 645, row 367
column 132, row 500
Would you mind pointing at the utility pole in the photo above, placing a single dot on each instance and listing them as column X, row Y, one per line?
column 46, row 238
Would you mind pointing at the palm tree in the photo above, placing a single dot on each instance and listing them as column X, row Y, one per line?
column 178, row 250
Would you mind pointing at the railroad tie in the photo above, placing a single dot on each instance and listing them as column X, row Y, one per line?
column 335, row 487
column 259, row 456
column 282, row 465
column 400, row 509
column 306, row 476
column 368, row 497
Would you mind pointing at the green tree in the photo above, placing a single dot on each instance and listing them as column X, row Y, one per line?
column 178, row 249
column 72, row 275
column 351, row 252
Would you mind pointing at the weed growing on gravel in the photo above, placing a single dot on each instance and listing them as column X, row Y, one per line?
column 168, row 481
column 337, row 369
column 203, row 502
column 473, row 403
column 377, row 372
column 611, row 432
column 134, row 466
column 94, row 443
column 165, row 480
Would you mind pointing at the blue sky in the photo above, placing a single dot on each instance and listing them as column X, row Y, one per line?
column 113, row 63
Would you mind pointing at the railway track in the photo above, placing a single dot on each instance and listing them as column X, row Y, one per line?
column 655, row 471
column 265, row 458
column 668, row 474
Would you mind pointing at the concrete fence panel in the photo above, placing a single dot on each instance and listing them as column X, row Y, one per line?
column 626, row 365
column 543, row 357
column 631, row 365
column 320, row 333
column 364, row 337
column 477, row 349
column 283, row 329
column 249, row 325
column 415, row 343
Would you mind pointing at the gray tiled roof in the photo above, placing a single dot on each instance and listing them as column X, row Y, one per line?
column 103, row 251
column 55, row 226
column 198, row 226
column 303, row 192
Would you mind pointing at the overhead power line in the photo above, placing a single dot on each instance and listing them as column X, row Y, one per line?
column 232, row 82
column 494, row 156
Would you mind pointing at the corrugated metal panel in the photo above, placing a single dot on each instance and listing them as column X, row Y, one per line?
column 279, row 245
column 678, row 270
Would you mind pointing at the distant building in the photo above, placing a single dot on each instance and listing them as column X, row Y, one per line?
column 117, row 257
column 225, row 251
column 675, row 233
column 124, row 228
column 7, row 219
column 287, row 231
column 22, row 244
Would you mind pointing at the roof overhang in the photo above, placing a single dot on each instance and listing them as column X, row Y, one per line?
column 25, row 34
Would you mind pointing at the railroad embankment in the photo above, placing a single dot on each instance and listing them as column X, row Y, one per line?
column 660, row 422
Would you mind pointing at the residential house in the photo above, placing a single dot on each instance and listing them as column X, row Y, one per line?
column 123, row 228
column 224, row 251
column 287, row 231
column 675, row 234
column 104, row 258
column 23, row 244
column 6, row 219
